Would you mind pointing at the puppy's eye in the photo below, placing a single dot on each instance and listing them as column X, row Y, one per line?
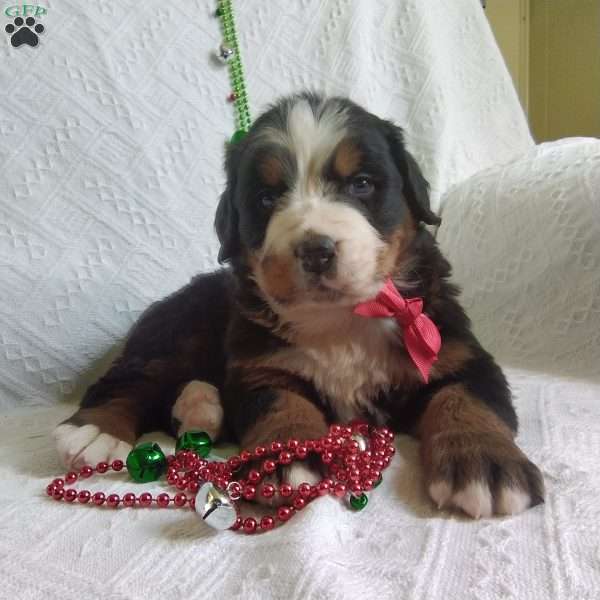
column 361, row 186
column 266, row 200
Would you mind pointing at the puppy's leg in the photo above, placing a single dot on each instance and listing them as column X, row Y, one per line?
column 99, row 433
column 198, row 406
column 269, row 415
column 130, row 399
column 469, row 454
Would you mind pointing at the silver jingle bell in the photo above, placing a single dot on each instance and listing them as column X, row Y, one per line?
column 225, row 54
column 362, row 441
column 215, row 507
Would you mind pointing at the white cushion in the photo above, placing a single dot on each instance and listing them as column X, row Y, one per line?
column 524, row 241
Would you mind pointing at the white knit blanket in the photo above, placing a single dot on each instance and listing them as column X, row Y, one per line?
column 399, row 547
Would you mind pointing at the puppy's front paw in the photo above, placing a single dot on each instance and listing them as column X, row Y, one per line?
column 198, row 406
column 481, row 474
column 298, row 472
column 87, row 445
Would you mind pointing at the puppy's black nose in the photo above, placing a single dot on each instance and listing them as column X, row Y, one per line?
column 316, row 253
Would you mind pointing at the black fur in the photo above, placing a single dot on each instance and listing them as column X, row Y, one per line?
column 176, row 340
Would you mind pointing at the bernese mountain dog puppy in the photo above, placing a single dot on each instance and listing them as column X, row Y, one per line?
column 323, row 204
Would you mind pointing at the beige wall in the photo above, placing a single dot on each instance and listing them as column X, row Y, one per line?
column 552, row 49
column 510, row 23
column 564, row 68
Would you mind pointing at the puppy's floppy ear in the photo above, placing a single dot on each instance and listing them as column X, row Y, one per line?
column 226, row 226
column 226, row 217
column 416, row 190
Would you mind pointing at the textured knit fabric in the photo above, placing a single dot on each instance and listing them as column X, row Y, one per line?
column 112, row 133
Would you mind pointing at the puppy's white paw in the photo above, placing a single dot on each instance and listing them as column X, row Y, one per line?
column 475, row 500
column 87, row 445
column 440, row 492
column 300, row 473
column 294, row 475
column 512, row 501
column 198, row 406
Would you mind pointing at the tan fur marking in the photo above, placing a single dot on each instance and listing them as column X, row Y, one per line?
column 393, row 253
column 454, row 409
column 456, row 428
column 290, row 416
column 347, row 159
column 452, row 357
column 271, row 171
column 117, row 417
column 276, row 277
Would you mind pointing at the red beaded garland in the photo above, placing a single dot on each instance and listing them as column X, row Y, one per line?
column 145, row 499
column 180, row 500
column 113, row 500
column 254, row 476
column 70, row 495
column 249, row 525
column 269, row 466
column 163, row 500
column 350, row 471
column 268, row 490
column 84, row 496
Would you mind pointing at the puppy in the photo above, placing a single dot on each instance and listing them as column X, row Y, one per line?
column 323, row 205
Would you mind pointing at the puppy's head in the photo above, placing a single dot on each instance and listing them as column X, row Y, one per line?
column 322, row 200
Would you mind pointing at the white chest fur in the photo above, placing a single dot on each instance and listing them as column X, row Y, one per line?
column 349, row 364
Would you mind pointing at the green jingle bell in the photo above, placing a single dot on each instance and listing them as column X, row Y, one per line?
column 146, row 462
column 237, row 136
column 358, row 502
column 196, row 441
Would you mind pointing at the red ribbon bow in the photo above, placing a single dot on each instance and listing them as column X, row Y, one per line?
column 421, row 337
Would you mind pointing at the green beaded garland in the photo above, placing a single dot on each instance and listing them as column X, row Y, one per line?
column 236, row 74
column 358, row 502
column 146, row 462
column 197, row 441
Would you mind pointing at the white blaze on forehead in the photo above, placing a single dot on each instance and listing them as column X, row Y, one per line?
column 314, row 138
column 311, row 136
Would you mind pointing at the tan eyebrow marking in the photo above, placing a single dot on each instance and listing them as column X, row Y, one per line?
column 271, row 170
column 347, row 158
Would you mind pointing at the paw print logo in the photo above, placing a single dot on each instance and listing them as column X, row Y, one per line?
column 24, row 32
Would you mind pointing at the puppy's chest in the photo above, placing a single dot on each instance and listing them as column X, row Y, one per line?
column 351, row 371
